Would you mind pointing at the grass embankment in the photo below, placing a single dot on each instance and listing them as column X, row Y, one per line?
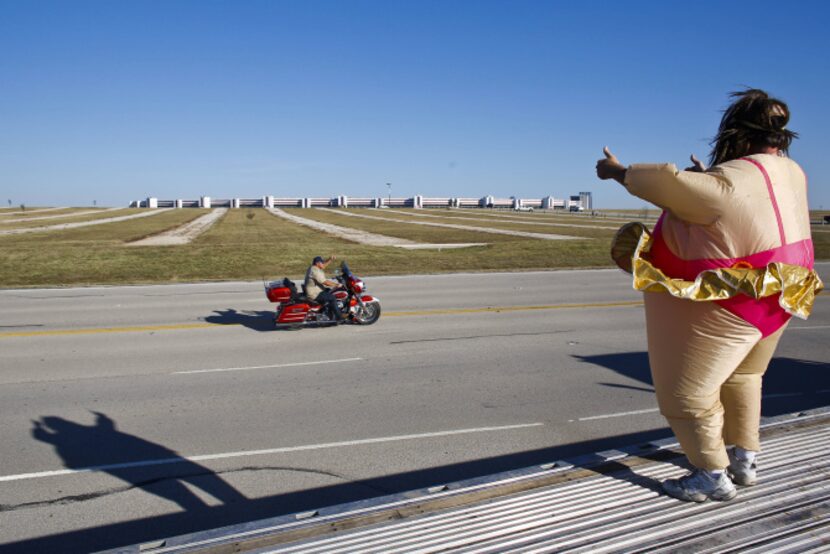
column 85, row 255
column 76, row 216
column 248, row 244
column 565, row 218
column 817, row 216
column 401, row 227
column 549, row 227
column 251, row 244
column 12, row 214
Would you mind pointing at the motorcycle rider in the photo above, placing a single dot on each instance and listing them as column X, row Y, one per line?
column 319, row 289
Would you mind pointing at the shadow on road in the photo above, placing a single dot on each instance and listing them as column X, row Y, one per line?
column 256, row 320
column 246, row 510
column 799, row 383
column 104, row 448
column 790, row 384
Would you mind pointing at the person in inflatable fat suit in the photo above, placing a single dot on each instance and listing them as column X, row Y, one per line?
column 729, row 261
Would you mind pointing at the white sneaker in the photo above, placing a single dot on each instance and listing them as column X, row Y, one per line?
column 742, row 467
column 701, row 485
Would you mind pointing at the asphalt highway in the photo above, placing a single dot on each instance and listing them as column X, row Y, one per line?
column 135, row 413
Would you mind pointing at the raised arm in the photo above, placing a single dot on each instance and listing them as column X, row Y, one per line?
column 693, row 196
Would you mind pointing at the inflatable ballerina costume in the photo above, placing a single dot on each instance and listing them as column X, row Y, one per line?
column 728, row 263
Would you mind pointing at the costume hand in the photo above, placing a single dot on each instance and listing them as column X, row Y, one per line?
column 697, row 165
column 610, row 167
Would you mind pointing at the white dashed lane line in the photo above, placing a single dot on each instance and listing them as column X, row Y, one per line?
column 274, row 366
column 247, row 453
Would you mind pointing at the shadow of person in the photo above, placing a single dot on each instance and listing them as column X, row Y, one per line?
column 143, row 464
column 789, row 384
column 261, row 320
column 633, row 365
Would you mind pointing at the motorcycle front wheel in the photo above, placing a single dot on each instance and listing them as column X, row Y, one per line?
column 368, row 313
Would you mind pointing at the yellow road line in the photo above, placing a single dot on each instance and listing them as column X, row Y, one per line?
column 515, row 308
column 94, row 331
column 181, row 326
column 449, row 311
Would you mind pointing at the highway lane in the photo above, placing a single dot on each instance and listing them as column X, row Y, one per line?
column 78, row 308
column 209, row 417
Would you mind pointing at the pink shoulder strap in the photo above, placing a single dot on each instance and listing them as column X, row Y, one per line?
column 771, row 198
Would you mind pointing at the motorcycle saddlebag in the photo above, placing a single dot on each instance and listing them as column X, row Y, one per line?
column 283, row 290
column 293, row 313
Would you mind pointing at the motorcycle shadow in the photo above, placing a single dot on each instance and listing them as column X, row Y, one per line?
column 260, row 320
column 257, row 320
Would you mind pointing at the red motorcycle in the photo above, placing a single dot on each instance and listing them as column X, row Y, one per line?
column 296, row 310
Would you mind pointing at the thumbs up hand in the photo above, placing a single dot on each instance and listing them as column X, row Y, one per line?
column 610, row 167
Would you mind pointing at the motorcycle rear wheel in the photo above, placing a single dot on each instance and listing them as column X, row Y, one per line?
column 368, row 313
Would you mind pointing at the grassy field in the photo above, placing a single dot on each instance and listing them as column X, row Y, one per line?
column 393, row 227
column 35, row 221
column 493, row 222
column 544, row 225
column 110, row 234
column 250, row 244
column 10, row 214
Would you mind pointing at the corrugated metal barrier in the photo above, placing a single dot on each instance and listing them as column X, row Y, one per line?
column 608, row 502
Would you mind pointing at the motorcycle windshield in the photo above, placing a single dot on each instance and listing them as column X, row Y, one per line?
column 344, row 269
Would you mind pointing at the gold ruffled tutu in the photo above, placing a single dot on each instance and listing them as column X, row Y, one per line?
column 798, row 285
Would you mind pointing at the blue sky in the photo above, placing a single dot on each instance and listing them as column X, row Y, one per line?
column 114, row 101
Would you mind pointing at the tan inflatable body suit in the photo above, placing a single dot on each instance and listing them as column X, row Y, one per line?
column 742, row 225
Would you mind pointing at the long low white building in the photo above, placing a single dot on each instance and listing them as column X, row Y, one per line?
column 583, row 201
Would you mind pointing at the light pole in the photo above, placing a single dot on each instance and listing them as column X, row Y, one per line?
column 389, row 187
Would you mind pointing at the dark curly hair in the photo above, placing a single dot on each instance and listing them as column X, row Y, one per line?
column 754, row 119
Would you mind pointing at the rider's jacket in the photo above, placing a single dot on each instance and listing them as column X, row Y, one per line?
column 315, row 279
